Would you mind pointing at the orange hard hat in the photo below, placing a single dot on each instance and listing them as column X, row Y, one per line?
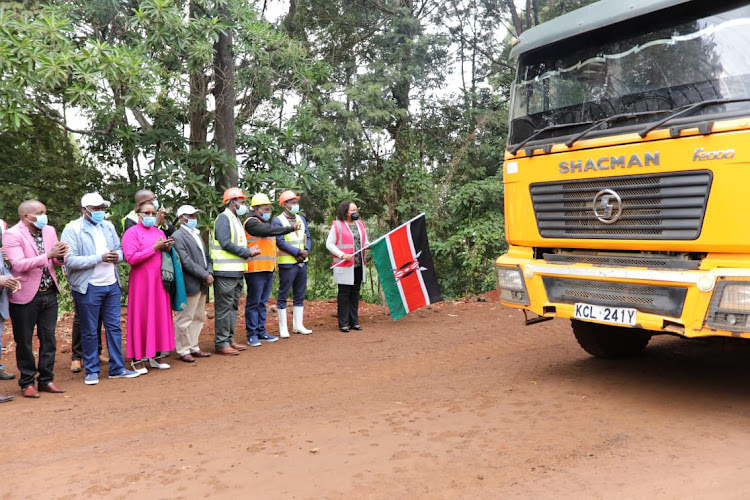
column 232, row 193
column 286, row 196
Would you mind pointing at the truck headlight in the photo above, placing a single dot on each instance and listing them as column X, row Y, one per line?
column 735, row 297
column 730, row 307
column 511, row 286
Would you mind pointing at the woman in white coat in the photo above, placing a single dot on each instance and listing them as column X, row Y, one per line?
column 347, row 237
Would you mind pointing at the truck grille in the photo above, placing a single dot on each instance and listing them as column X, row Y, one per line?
column 666, row 300
column 657, row 206
column 612, row 259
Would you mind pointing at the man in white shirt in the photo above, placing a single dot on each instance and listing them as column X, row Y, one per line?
column 94, row 251
column 197, row 271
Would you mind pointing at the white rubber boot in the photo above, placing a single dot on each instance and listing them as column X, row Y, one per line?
column 283, row 330
column 297, row 326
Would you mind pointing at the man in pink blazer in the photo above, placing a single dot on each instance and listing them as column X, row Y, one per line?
column 33, row 252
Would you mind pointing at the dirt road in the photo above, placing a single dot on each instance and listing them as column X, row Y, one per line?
column 455, row 401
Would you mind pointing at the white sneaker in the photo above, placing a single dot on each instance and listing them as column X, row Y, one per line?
column 155, row 363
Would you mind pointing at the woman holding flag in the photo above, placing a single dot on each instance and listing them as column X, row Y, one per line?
column 347, row 238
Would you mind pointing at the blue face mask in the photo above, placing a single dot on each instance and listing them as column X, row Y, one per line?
column 192, row 223
column 155, row 203
column 241, row 210
column 149, row 221
column 41, row 221
column 294, row 209
column 264, row 217
column 97, row 216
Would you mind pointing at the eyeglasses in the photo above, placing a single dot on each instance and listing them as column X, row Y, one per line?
column 147, row 214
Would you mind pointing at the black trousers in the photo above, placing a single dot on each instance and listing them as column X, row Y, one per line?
column 348, row 300
column 41, row 313
column 77, row 334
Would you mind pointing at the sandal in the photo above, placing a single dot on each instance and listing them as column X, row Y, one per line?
column 138, row 367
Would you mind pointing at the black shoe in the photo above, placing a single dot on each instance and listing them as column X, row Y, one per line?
column 356, row 327
column 344, row 329
column 6, row 376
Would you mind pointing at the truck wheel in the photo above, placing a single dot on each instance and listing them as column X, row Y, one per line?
column 608, row 341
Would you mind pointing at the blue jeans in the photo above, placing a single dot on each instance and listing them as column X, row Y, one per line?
column 104, row 300
column 258, row 291
column 292, row 276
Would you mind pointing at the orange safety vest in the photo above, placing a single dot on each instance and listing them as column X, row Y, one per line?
column 345, row 241
column 266, row 260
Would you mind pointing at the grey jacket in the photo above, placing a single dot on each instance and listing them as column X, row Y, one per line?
column 194, row 271
column 82, row 257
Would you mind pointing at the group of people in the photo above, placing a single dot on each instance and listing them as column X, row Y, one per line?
column 171, row 270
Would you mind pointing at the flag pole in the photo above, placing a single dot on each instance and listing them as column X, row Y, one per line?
column 386, row 234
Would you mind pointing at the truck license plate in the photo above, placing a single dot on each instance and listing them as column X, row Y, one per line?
column 605, row 314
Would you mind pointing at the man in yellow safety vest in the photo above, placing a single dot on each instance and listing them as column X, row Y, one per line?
column 229, row 252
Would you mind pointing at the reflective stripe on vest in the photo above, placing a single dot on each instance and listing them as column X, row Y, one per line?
column 223, row 260
column 266, row 260
column 297, row 239
column 345, row 241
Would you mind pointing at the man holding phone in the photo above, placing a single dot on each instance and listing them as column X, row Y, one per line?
column 94, row 251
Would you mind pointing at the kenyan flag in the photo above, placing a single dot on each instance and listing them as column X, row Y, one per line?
column 405, row 268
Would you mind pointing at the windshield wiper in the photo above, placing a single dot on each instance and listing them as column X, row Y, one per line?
column 611, row 119
column 686, row 110
column 539, row 132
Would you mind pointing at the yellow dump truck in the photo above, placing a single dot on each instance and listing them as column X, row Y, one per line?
column 626, row 173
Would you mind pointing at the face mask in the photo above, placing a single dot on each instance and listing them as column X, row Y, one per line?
column 354, row 215
column 97, row 216
column 41, row 221
column 241, row 210
column 155, row 203
column 294, row 209
column 192, row 223
column 149, row 221
column 264, row 217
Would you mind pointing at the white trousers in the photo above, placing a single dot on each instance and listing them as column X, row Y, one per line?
column 188, row 324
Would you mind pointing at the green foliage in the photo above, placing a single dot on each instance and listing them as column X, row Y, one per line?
column 41, row 161
column 467, row 241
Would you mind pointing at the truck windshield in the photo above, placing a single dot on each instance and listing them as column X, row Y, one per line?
column 647, row 72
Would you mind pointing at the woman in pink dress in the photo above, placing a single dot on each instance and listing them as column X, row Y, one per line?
column 150, row 328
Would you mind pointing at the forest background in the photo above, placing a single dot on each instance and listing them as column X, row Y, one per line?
column 398, row 105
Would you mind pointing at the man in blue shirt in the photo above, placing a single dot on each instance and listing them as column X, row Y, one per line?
column 94, row 251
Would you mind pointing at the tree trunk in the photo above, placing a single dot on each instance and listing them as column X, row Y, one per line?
column 225, row 95
column 127, row 148
column 198, row 123
column 516, row 18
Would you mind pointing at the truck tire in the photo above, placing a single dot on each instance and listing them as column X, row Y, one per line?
column 608, row 341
